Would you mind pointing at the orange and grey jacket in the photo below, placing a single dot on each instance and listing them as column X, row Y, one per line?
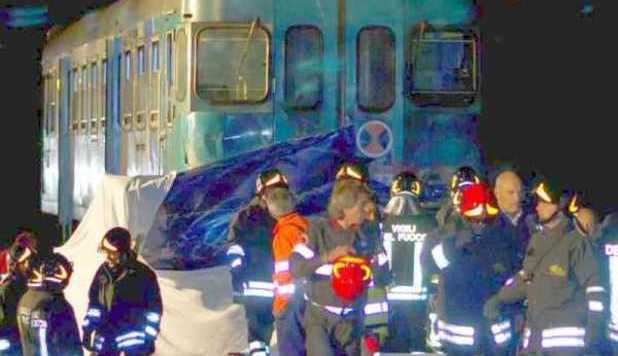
column 289, row 231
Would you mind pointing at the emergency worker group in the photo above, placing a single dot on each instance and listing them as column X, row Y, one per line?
column 491, row 272
column 498, row 269
column 124, row 302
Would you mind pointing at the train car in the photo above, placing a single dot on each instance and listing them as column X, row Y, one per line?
column 145, row 87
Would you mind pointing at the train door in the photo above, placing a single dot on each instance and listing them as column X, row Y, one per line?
column 305, row 67
column 373, row 79
column 113, row 125
column 65, row 151
column 49, row 184
column 96, row 115
column 127, row 93
column 140, row 158
column 154, row 104
column 168, row 109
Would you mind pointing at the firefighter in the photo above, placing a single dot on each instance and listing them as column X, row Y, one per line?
column 46, row 320
column 250, row 257
column 124, row 305
column 288, row 303
column 376, row 311
column 560, row 279
column 462, row 177
column 334, row 318
column 608, row 253
column 474, row 263
column 406, row 227
column 15, row 266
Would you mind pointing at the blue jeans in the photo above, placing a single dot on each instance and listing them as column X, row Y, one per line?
column 290, row 330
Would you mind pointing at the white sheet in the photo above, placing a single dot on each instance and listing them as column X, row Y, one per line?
column 198, row 315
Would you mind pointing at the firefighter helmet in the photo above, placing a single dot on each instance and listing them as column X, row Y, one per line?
column 406, row 182
column 117, row 239
column 547, row 191
column 23, row 247
column 270, row 178
column 56, row 271
column 350, row 277
column 478, row 203
column 462, row 177
column 355, row 171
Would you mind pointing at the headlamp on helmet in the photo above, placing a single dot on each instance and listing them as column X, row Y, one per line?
column 406, row 182
column 464, row 176
column 478, row 203
column 270, row 178
column 352, row 171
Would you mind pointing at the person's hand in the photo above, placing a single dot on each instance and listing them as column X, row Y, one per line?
column 339, row 251
column 491, row 309
column 87, row 339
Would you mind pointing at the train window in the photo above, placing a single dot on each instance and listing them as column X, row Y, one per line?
column 154, row 56
column 141, row 60
column 53, row 82
column 95, row 89
column 74, row 97
column 85, row 107
column 443, row 68
column 304, row 49
column 375, row 69
column 103, row 89
column 233, row 64
column 181, row 62
column 45, row 117
column 127, row 66
column 169, row 58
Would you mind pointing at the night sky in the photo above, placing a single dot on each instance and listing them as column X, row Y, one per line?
column 548, row 88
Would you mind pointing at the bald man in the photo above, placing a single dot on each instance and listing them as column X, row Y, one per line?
column 513, row 220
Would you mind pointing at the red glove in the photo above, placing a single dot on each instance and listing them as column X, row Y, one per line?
column 372, row 344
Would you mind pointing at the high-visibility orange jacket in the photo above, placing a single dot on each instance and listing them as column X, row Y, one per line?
column 289, row 231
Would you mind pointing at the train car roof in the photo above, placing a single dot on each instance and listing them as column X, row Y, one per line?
column 113, row 19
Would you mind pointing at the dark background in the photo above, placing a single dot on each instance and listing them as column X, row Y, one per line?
column 548, row 91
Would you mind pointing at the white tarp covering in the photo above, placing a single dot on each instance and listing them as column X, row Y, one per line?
column 198, row 315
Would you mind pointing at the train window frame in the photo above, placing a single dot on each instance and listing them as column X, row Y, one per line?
column 181, row 42
column 141, row 60
column 54, row 88
column 84, row 115
column 155, row 60
column 393, row 97
column 95, row 100
column 287, row 66
column 444, row 98
column 169, row 58
column 264, row 97
column 103, row 98
column 127, row 58
column 74, row 98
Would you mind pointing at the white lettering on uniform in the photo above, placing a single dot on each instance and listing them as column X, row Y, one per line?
column 611, row 250
column 404, row 233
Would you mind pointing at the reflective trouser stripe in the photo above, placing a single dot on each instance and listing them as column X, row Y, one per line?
column 563, row 337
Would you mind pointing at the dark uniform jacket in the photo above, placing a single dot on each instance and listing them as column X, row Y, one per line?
column 125, row 300
column 47, row 325
column 477, row 265
column 404, row 238
column 560, row 278
column 252, row 229
column 308, row 261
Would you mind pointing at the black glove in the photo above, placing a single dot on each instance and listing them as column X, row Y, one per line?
column 87, row 339
column 491, row 309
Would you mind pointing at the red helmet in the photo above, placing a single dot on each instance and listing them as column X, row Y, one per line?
column 478, row 202
column 350, row 277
